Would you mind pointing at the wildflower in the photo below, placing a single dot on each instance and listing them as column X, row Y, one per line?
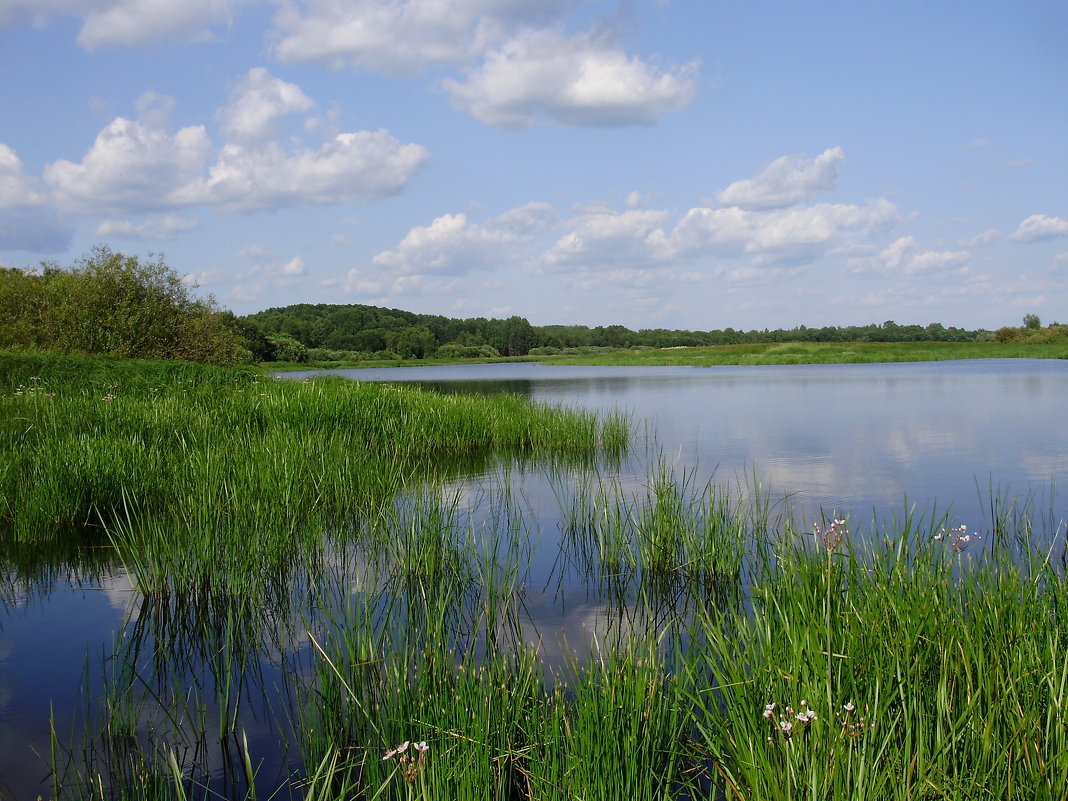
column 409, row 766
column 848, row 706
column 958, row 538
column 400, row 749
column 769, row 710
column 831, row 537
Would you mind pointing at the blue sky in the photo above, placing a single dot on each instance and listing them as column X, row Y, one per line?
column 655, row 163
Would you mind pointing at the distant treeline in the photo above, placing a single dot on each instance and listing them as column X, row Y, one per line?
column 118, row 305
column 329, row 332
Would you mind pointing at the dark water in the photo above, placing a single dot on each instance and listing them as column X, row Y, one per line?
column 842, row 439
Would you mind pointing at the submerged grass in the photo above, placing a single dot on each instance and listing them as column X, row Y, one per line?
column 210, row 475
column 291, row 548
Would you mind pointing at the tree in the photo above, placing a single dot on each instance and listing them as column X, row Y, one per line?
column 1031, row 321
column 114, row 304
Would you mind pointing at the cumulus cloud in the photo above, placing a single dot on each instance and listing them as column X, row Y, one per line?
column 453, row 246
column 399, row 37
column 128, row 23
column 258, row 103
column 141, row 165
column 545, row 76
column 1040, row 226
column 786, row 181
column 132, row 165
column 27, row 221
column 16, row 187
column 350, row 168
column 609, row 238
column 606, row 239
column 904, row 257
column 166, row 227
column 777, row 233
column 138, row 23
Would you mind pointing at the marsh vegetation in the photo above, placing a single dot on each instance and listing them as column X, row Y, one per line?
column 319, row 608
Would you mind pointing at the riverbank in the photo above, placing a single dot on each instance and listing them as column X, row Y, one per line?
column 765, row 354
column 304, row 576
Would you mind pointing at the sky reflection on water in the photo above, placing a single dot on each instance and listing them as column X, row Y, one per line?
column 858, row 439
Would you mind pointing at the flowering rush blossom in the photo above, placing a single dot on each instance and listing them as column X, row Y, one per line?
column 784, row 727
column 831, row 537
column 409, row 766
column 400, row 749
column 958, row 538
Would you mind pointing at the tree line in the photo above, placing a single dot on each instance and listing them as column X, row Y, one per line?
column 112, row 303
column 333, row 332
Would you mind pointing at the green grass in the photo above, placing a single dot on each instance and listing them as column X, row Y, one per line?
column 90, row 442
column 303, row 527
column 760, row 353
column 819, row 353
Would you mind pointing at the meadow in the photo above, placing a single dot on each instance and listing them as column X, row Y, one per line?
column 298, row 555
column 750, row 353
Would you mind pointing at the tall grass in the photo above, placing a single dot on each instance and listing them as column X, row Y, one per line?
column 820, row 353
column 298, row 560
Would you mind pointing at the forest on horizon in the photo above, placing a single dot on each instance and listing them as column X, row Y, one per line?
column 115, row 304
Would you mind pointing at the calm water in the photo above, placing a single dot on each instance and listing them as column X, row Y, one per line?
column 845, row 439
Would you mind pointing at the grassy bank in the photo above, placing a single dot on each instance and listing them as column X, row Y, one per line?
column 764, row 353
column 823, row 353
column 213, row 469
column 299, row 561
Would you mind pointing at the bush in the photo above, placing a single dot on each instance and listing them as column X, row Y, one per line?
column 454, row 350
column 287, row 349
column 116, row 305
column 1008, row 334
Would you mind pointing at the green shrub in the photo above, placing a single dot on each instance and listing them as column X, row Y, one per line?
column 454, row 350
column 116, row 305
column 287, row 349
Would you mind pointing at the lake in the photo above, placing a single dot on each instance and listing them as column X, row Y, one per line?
column 826, row 440
column 851, row 439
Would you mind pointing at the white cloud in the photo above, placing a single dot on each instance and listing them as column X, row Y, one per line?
column 258, row 103
column 138, row 23
column 166, row 227
column 1040, row 226
column 612, row 239
column 544, row 76
column 607, row 239
column 27, row 221
column 16, row 187
column 401, row 36
column 131, row 166
column 451, row 245
column 374, row 286
column 786, row 181
column 904, row 257
column 988, row 237
column 350, row 168
column 139, row 165
column 128, row 23
column 779, row 233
